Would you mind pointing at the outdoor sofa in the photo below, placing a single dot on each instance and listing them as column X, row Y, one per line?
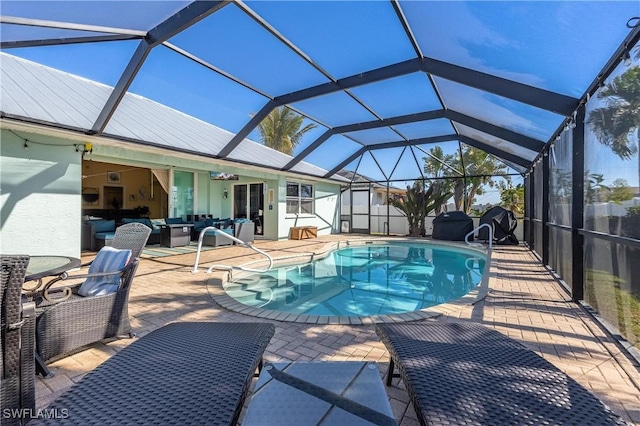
column 467, row 374
column 185, row 373
column 97, row 233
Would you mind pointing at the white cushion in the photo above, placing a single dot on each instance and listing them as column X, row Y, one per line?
column 108, row 259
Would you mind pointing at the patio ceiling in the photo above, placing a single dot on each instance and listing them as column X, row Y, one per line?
column 388, row 78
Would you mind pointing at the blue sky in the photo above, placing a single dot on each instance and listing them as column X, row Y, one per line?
column 559, row 46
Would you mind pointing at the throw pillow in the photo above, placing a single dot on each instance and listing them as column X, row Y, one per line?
column 108, row 259
column 156, row 223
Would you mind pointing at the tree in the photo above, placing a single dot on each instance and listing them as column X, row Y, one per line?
column 619, row 191
column 594, row 188
column 281, row 129
column 417, row 204
column 512, row 197
column 616, row 124
column 480, row 168
column 438, row 165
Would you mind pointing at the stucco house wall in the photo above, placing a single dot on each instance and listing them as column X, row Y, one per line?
column 326, row 209
column 40, row 187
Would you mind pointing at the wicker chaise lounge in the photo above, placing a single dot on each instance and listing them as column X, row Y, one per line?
column 468, row 374
column 183, row 373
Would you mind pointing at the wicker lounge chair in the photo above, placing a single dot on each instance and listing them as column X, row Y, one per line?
column 183, row 373
column 468, row 374
column 17, row 364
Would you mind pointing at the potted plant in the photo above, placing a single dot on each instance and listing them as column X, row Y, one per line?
column 417, row 203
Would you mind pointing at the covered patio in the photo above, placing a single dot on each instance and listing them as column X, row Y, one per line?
column 532, row 106
column 525, row 302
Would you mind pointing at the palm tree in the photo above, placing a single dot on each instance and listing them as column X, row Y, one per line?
column 481, row 167
column 617, row 122
column 620, row 118
column 281, row 129
column 477, row 162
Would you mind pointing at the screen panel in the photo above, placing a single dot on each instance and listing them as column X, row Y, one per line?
column 525, row 41
column 248, row 51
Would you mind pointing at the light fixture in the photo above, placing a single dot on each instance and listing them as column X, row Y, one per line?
column 86, row 148
column 225, row 193
column 26, row 146
column 626, row 58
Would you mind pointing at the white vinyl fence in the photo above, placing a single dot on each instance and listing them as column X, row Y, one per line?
column 397, row 223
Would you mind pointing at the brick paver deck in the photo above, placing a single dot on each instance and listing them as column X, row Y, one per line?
column 525, row 302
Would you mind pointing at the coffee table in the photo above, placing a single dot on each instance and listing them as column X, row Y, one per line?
column 319, row 393
column 174, row 235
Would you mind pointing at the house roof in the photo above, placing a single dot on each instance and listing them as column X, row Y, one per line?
column 34, row 92
column 384, row 82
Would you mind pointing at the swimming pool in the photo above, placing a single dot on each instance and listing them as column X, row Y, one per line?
column 365, row 280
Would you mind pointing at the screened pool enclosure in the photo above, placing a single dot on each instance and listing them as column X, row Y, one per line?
column 496, row 101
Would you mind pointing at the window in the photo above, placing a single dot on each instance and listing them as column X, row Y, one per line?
column 299, row 198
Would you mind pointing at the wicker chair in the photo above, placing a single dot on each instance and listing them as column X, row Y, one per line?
column 132, row 236
column 67, row 326
column 17, row 364
column 67, row 322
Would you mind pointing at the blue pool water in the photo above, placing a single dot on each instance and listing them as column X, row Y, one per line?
column 365, row 280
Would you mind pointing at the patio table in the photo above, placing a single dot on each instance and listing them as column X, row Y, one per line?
column 40, row 267
column 174, row 235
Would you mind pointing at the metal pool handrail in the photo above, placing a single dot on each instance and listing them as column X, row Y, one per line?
column 466, row 237
column 232, row 238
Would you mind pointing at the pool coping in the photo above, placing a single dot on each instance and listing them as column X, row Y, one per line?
column 217, row 292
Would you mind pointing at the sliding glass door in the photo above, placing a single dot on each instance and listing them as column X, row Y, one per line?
column 182, row 194
column 248, row 202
